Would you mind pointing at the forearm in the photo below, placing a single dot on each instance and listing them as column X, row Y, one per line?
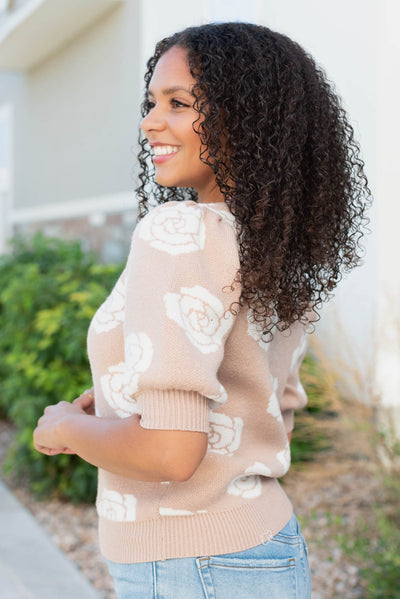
column 120, row 446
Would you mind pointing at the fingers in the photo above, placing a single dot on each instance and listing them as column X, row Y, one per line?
column 50, row 452
column 49, row 409
column 46, row 429
column 85, row 402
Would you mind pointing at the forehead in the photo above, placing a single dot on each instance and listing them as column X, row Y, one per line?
column 172, row 69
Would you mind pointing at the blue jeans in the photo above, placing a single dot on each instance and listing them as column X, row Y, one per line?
column 276, row 569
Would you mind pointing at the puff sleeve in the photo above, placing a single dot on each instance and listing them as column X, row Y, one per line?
column 182, row 262
column 294, row 396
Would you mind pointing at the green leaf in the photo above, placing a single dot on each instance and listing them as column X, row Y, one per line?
column 49, row 291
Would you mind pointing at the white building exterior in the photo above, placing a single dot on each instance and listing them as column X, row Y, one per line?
column 71, row 78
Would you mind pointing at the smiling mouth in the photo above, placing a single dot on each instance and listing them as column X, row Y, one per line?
column 165, row 150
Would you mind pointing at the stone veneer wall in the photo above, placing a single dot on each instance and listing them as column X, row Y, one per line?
column 109, row 235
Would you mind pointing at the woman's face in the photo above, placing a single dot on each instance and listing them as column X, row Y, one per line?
column 168, row 128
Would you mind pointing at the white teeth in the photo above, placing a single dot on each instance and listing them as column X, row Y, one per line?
column 164, row 150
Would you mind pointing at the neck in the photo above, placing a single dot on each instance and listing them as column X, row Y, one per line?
column 210, row 196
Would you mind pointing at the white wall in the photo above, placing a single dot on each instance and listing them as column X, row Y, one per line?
column 388, row 248
column 80, row 111
column 159, row 18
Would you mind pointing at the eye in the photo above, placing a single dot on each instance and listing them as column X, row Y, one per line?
column 178, row 104
column 148, row 105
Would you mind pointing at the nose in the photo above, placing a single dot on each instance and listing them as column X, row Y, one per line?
column 153, row 121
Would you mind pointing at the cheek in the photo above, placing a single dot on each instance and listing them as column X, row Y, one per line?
column 193, row 147
column 192, row 141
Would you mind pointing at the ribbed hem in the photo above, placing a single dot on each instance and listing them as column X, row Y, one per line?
column 173, row 409
column 200, row 534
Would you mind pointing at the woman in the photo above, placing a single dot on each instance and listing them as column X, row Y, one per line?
column 260, row 198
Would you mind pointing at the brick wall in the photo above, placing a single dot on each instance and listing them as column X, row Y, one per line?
column 109, row 235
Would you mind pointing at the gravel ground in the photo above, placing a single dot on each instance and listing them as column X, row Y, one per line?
column 330, row 496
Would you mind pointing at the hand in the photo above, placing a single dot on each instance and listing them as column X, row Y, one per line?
column 47, row 436
column 86, row 402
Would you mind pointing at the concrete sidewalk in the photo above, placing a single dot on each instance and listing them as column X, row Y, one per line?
column 31, row 566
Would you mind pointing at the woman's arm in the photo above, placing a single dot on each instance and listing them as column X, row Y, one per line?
column 121, row 446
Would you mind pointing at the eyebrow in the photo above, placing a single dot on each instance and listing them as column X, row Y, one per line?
column 171, row 90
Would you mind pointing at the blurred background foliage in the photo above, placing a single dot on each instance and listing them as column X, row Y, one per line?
column 311, row 429
column 49, row 291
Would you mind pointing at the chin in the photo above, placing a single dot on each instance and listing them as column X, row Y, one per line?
column 169, row 182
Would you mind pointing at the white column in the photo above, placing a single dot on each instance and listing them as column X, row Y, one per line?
column 388, row 206
column 6, row 170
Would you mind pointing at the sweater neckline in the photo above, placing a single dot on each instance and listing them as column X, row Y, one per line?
column 219, row 204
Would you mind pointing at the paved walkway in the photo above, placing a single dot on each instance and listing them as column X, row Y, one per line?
column 31, row 566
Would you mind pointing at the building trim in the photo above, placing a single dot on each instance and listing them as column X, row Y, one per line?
column 111, row 203
column 36, row 29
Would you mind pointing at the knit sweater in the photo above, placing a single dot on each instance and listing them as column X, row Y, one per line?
column 165, row 345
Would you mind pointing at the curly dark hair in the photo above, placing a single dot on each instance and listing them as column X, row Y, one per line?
column 290, row 171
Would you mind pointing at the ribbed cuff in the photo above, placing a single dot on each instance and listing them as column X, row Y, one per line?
column 173, row 409
column 288, row 420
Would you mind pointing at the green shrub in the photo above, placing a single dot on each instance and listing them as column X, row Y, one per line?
column 375, row 548
column 376, row 552
column 308, row 436
column 382, row 577
column 49, row 291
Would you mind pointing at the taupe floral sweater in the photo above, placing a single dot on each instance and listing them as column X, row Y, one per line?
column 164, row 345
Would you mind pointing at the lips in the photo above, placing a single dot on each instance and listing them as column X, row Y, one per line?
column 163, row 152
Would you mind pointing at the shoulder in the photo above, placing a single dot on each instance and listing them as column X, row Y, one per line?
column 185, row 212
column 189, row 210
column 179, row 227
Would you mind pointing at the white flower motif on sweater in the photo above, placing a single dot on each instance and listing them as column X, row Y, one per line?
column 121, row 380
column 201, row 315
column 284, row 458
column 301, row 391
column 114, row 387
column 273, row 404
column 298, row 351
column 116, row 507
column 138, row 357
column 177, row 229
column 255, row 330
column 168, row 511
column 225, row 433
column 111, row 312
column 248, row 487
column 220, row 398
column 259, row 468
